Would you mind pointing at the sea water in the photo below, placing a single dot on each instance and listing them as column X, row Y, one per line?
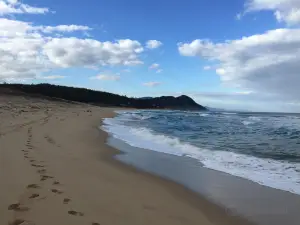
column 261, row 147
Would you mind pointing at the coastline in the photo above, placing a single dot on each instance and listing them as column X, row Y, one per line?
column 237, row 196
column 253, row 201
column 216, row 214
column 62, row 171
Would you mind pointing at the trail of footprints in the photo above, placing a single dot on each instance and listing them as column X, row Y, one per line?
column 42, row 171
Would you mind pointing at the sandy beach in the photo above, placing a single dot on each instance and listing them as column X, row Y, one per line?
column 55, row 168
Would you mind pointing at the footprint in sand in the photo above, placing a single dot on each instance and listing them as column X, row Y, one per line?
column 34, row 196
column 75, row 213
column 95, row 223
column 56, row 183
column 57, row 191
column 33, row 186
column 17, row 207
column 17, row 222
column 66, row 200
column 36, row 165
column 13, row 206
column 42, row 171
column 46, row 177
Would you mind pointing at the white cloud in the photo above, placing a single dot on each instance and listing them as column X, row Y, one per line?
column 151, row 84
column 19, row 51
column 13, row 28
column 266, row 63
column 154, row 66
column 207, row 68
column 15, row 7
column 26, row 51
column 126, row 70
column 106, row 77
column 221, row 71
column 12, row 1
column 74, row 52
column 287, row 11
column 51, row 77
column 152, row 44
column 63, row 28
column 239, row 16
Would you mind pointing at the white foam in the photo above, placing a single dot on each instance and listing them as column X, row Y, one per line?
column 203, row 114
column 254, row 118
column 277, row 174
column 228, row 113
column 246, row 123
column 288, row 122
column 251, row 120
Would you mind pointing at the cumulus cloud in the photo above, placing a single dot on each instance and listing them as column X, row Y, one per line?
column 265, row 64
column 51, row 77
column 154, row 66
column 20, row 53
column 106, row 77
column 126, row 70
column 72, row 52
column 16, row 7
column 207, row 68
column 63, row 28
column 13, row 28
column 152, row 84
column 152, row 44
column 287, row 11
column 27, row 50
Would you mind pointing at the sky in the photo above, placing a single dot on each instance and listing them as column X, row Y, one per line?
column 234, row 54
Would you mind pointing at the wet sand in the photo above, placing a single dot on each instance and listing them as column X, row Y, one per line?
column 55, row 168
column 259, row 204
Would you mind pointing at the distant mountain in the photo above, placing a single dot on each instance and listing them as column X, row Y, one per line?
column 104, row 98
column 170, row 102
column 146, row 98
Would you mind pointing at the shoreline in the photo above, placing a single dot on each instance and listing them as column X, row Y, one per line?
column 61, row 171
column 256, row 203
column 202, row 203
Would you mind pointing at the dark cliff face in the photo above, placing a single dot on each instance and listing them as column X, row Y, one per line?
column 105, row 98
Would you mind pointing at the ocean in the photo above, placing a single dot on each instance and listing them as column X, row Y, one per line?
column 260, row 147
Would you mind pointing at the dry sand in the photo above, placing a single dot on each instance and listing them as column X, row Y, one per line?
column 55, row 168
